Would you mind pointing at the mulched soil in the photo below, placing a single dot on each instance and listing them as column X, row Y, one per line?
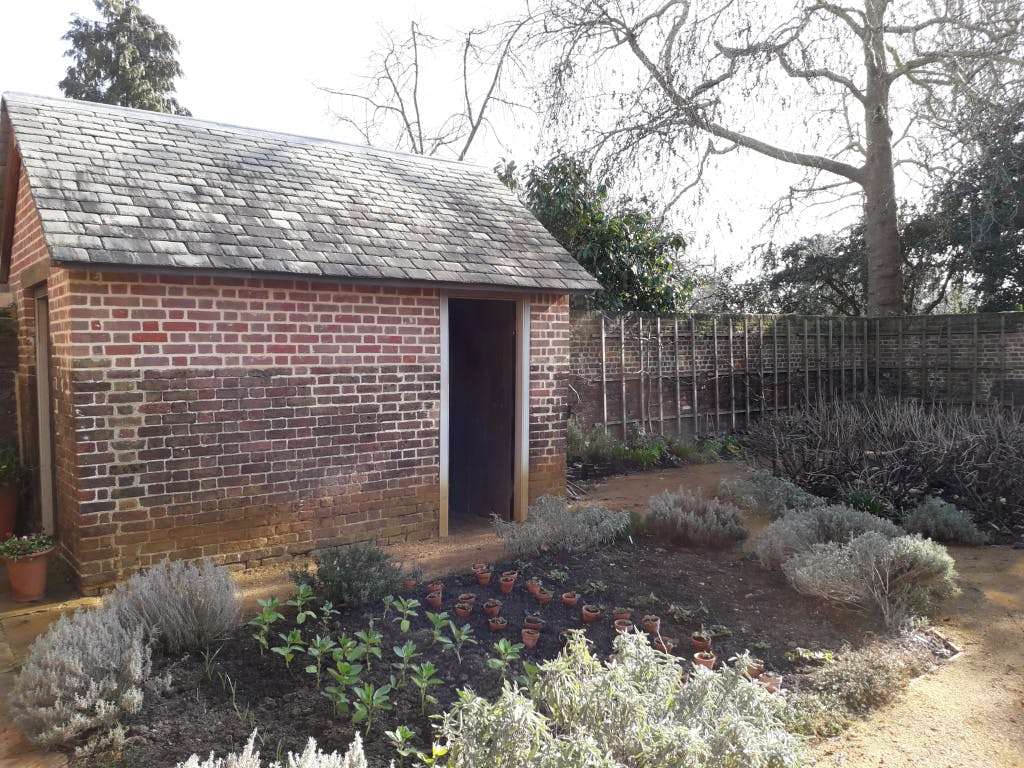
column 729, row 589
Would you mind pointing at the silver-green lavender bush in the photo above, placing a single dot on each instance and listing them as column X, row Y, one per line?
column 80, row 680
column 310, row 757
column 766, row 493
column 551, row 525
column 685, row 518
column 936, row 519
column 182, row 605
column 900, row 577
column 800, row 529
column 637, row 711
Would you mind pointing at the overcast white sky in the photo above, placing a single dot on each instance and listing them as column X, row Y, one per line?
column 257, row 63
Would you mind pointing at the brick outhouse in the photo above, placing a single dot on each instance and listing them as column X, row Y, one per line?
column 250, row 345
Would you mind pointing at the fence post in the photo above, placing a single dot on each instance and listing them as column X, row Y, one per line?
column 675, row 367
column 696, row 394
column 732, row 378
column 622, row 364
column 661, row 399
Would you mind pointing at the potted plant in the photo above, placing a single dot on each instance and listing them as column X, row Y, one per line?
column 530, row 637
column 435, row 587
column 12, row 472
column 477, row 567
column 623, row 625
column 434, row 599
column 652, row 624
column 27, row 558
column 497, row 623
column 621, row 613
column 771, row 681
column 705, row 659
column 412, row 578
column 755, row 667
column 492, row 607
column 700, row 641
column 467, row 597
column 570, row 598
column 510, row 574
column 462, row 610
column 534, row 621
column 483, row 577
column 507, row 583
column 591, row 612
column 533, row 585
column 544, row 596
column 663, row 644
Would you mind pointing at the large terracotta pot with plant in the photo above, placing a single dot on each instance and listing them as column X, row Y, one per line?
column 27, row 560
column 11, row 475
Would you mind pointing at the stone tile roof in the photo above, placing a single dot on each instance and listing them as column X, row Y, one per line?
column 125, row 187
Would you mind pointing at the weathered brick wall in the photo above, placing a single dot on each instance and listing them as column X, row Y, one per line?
column 250, row 420
column 549, row 368
column 742, row 366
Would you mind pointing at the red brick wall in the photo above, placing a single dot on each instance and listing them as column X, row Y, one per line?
column 549, row 368
column 250, row 420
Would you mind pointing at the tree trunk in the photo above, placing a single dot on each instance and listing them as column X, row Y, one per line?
column 884, row 260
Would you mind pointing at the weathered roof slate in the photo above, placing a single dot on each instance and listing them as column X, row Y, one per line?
column 118, row 186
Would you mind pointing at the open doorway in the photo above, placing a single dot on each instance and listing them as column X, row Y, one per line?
column 481, row 410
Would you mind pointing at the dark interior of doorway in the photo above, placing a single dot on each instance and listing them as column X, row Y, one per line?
column 481, row 397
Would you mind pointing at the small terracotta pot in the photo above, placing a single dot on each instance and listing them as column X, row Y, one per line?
column 28, row 576
column 771, row 681
column 570, row 598
column 590, row 613
column 477, row 567
column 621, row 613
column 462, row 610
column 652, row 624
column 483, row 578
column 434, row 599
column 530, row 637
column 467, row 597
column 754, row 668
column 507, row 583
column 623, row 625
column 699, row 642
column 435, row 588
column 532, row 621
column 497, row 623
column 533, row 586
column 408, row 583
column 492, row 607
column 544, row 596
column 514, row 575
column 663, row 644
column 705, row 659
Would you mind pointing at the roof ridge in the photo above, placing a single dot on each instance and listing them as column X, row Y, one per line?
column 80, row 105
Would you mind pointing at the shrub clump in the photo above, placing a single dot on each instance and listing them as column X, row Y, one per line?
column 311, row 757
column 685, row 518
column 181, row 605
column 638, row 710
column 355, row 575
column 866, row 679
column 936, row 519
column 800, row 529
column 551, row 525
column 764, row 492
column 81, row 679
column 898, row 576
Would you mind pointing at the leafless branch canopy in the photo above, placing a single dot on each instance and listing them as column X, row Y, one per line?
column 406, row 105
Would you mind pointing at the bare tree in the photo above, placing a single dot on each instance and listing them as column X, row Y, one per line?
column 399, row 109
column 868, row 83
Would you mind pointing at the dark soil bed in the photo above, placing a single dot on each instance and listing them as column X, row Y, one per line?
column 205, row 713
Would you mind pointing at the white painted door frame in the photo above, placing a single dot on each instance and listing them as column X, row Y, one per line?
column 521, row 450
column 44, row 409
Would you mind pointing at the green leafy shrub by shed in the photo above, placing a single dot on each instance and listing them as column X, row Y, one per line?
column 354, row 575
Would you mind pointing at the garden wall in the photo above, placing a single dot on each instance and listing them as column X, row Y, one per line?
column 703, row 374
